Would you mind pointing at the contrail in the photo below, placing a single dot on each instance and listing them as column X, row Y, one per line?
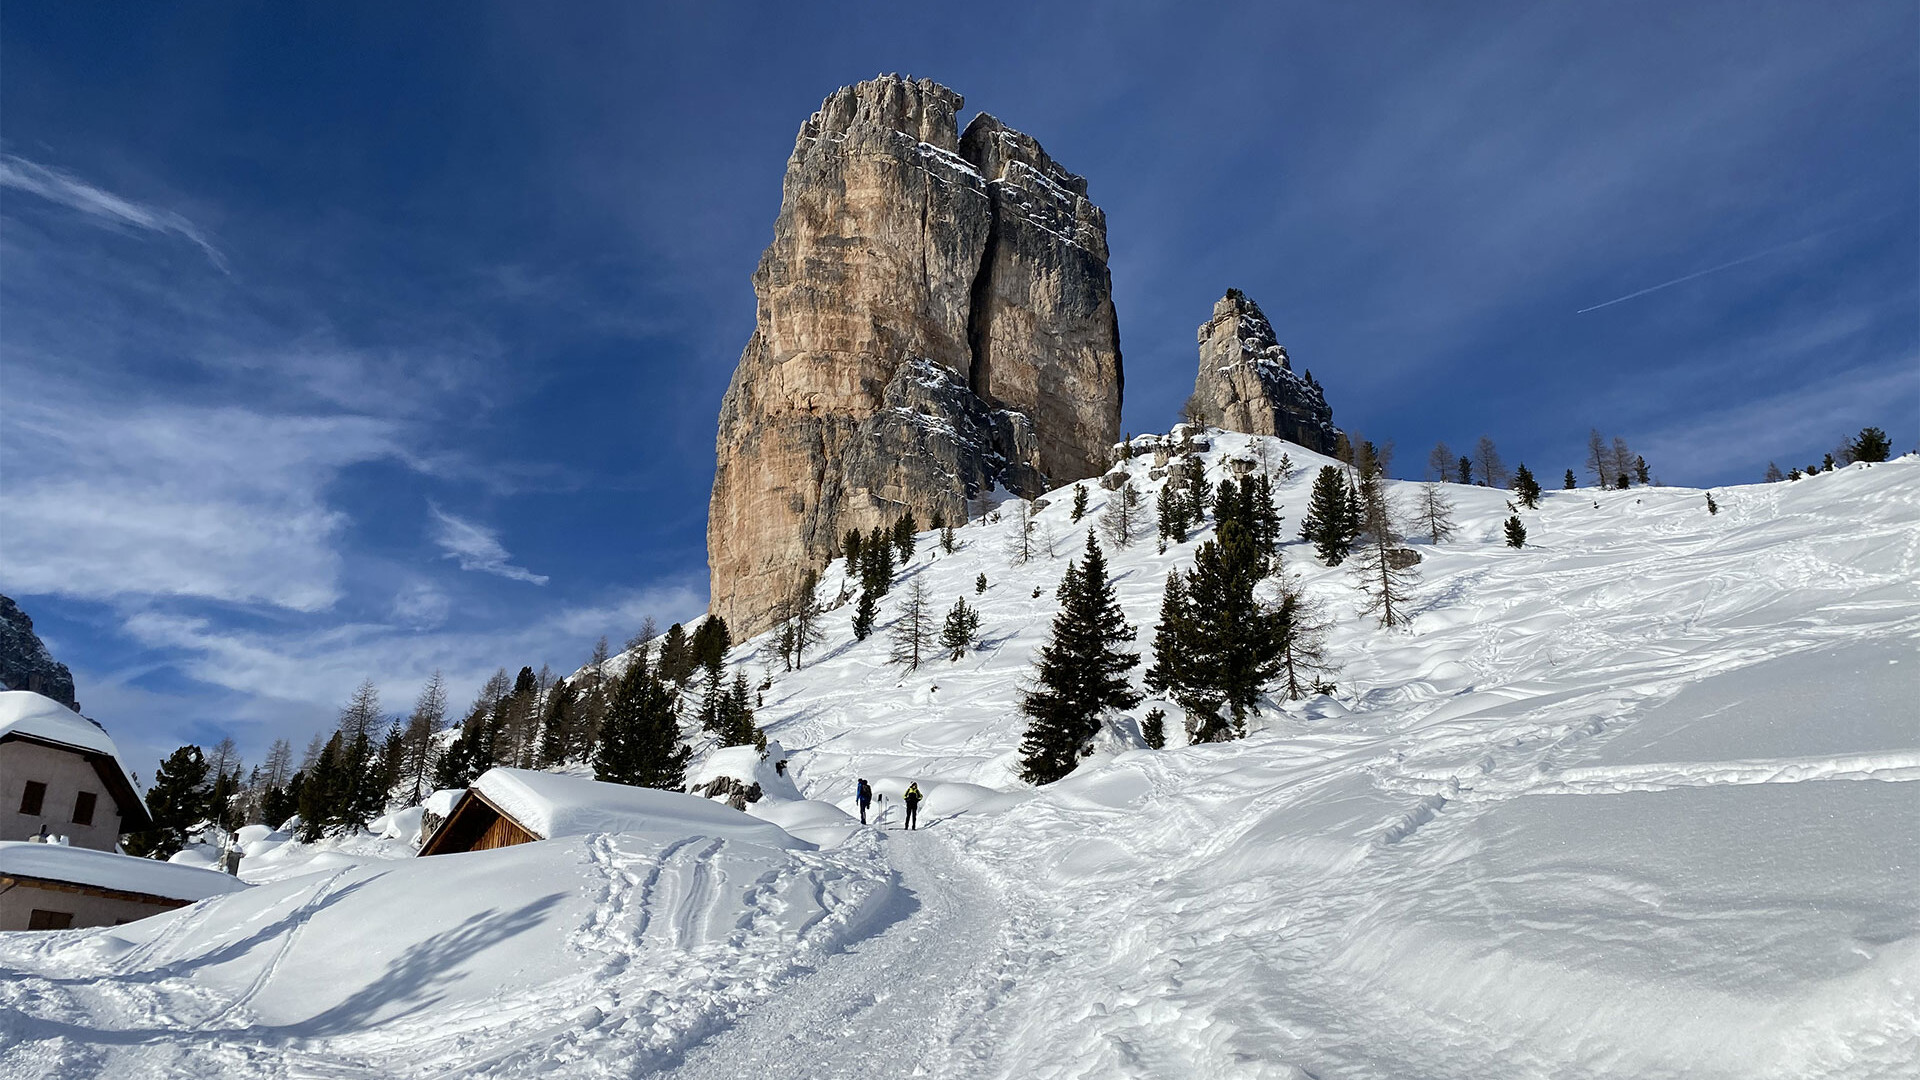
column 1704, row 273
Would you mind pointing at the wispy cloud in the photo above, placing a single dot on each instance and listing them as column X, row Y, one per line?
column 100, row 204
column 476, row 547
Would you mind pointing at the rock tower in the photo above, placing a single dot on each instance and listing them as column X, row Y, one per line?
column 1246, row 383
column 935, row 318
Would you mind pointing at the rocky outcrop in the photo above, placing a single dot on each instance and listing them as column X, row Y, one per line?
column 1246, row 383
column 25, row 663
column 935, row 319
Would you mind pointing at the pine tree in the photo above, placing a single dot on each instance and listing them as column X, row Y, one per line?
column 1569, row 485
column 1464, row 473
column 1120, row 521
column 327, row 790
column 1620, row 481
column 713, row 699
column 1526, row 487
column 677, row 662
column 1216, row 645
column 1329, row 524
column 961, row 630
column 1170, row 510
column 557, row 722
column 1265, row 521
column 1198, row 491
column 903, row 536
column 912, row 635
column 851, row 546
column 864, row 613
column 640, row 737
column 711, row 642
column 737, row 727
column 1712, row 507
column 1793, row 474
column 1433, row 513
column 177, row 802
column 388, row 764
column 948, row 542
column 1079, row 502
column 1153, row 729
column 1081, row 672
column 1516, row 532
column 1387, row 585
column 1871, row 445
column 1640, row 469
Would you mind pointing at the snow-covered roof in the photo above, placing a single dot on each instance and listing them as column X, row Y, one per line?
column 109, row 870
column 27, row 713
column 552, row 804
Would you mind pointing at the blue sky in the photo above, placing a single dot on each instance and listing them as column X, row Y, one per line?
column 344, row 341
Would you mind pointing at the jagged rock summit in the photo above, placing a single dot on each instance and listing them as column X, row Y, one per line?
column 1246, row 383
column 25, row 663
column 935, row 320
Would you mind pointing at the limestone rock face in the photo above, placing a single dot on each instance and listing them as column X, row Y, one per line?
column 1246, row 383
column 25, row 663
column 935, row 318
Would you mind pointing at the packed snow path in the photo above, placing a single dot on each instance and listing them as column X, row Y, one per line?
column 919, row 996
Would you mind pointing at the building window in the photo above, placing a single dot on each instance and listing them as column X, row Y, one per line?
column 83, row 808
column 49, row 920
column 31, row 798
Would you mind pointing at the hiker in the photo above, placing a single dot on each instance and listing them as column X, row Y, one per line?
column 913, row 805
column 864, row 796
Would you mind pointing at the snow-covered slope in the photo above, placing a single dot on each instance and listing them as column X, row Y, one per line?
column 1634, row 800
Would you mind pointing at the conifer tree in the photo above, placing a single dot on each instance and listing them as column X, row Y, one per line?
column 961, row 630
column 1329, row 524
column 1487, row 459
column 557, row 722
column 1170, row 510
column 1793, row 474
column 1526, row 487
column 176, row 802
column 903, row 536
column 1020, row 541
column 939, row 520
column 1079, row 503
column 1304, row 666
column 1216, row 645
column 1569, row 485
column 737, row 727
column 1439, row 461
column 1464, row 471
column 1620, row 481
column 1433, row 513
column 912, row 635
column 1871, row 445
column 710, row 643
column 1387, row 585
column 948, row 542
column 1712, row 507
column 876, row 564
column 1640, row 469
column 1120, row 522
column 1081, row 672
column 713, row 699
column 387, row 765
column 801, row 616
column 865, row 611
column 321, row 795
column 428, row 717
column 677, row 662
column 640, row 737
column 851, row 545
column 1198, row 491
column 1516, row 532
column 1153, row 729
column 1622, row 463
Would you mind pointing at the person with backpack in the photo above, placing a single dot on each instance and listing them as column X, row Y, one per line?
column 913, row 805
column 863, row 795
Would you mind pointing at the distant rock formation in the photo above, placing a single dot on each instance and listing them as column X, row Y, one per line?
column 25, row 663
column 935, row 319
column 1246, row 383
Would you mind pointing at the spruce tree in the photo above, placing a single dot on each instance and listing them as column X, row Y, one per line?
column 677, row 662
column 1170, row 509
column 960, row 630
column 1712, row 507
column 1516, row 532
column 711, row 640
column 948, row 542
column 1569, row 485
column 1465, row 471
column 1216, row 645
column 713, row 699
column 1640, row 470
column 1198, row 491
column 851, row 545
column 1079, row 503
column 640, row 737
column 1871, row 445
column 737, row 727
column 864, row 613
column 556, row 724
column 903, row 536
column 1526, row 487
column 1153, row 729
column 1621, row 481
column 1081, row 672
column 979, row 584
column 176, row 802
column 325, row 792
column 1329, row 524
